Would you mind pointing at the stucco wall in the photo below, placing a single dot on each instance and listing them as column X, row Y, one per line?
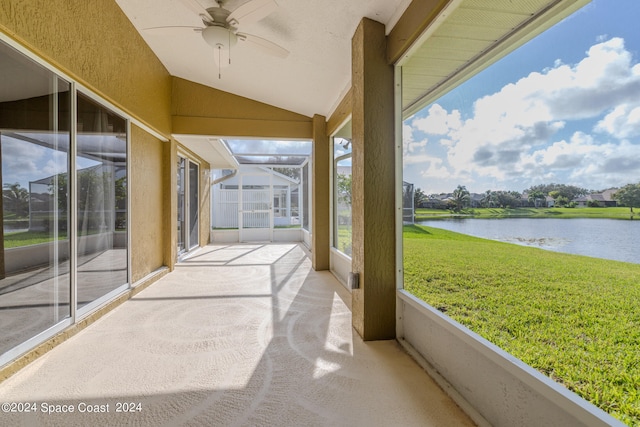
column 202, row 110
column 147, row 198
column 95, row 43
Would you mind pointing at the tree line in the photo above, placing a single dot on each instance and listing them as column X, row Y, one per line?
column 562, row 194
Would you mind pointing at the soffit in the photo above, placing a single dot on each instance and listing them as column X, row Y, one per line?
column 211, row 150
column 468, row 36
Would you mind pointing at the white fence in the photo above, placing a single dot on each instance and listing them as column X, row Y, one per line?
column 225, row 209
column 255, row 209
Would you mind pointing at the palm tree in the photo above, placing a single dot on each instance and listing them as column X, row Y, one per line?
column 461, row 197
column 16, row 199
column 418, row 198
column 535, row 196
column 488, row 199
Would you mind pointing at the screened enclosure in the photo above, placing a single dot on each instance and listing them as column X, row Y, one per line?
column 267, row 197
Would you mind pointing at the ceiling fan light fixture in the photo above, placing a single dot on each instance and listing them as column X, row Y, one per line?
column 219, row 37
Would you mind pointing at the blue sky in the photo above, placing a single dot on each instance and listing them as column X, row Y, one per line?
column 563, row 108
column 266, row 146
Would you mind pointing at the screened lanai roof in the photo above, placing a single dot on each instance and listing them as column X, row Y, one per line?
column 271, row 160
column 269, row 152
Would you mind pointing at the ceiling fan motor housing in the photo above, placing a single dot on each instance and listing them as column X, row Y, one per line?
column 219, row 37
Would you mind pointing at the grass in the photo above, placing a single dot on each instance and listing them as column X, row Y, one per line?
column 344, row 239
column 613, row 213
column 576, row 319
column 25, row 238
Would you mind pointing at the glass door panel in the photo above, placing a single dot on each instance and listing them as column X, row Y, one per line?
column 193, row 206
column 101, row 167
column 188, row 207
column 181, row 206
column 35, row 286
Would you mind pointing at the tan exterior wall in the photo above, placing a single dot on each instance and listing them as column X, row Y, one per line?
column 95, row 43
column 202, row 110
column 147, row 198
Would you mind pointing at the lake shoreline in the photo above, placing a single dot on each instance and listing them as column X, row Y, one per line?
column 595, row 237
column 622, row 213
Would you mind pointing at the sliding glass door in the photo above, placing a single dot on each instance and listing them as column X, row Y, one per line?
column 188, row 190
column 63, row 174
column 101, row 173
column 35, row 287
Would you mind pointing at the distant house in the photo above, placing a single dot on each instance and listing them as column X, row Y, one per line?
column 603, row 199
column 475, row 200
column 550, row 202
column 437, row 201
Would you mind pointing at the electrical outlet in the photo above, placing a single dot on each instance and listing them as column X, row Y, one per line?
column 353, row 281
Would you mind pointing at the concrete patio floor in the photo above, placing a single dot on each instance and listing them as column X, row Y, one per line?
column 237, row 335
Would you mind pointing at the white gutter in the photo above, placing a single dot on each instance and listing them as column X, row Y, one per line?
column 226, row 177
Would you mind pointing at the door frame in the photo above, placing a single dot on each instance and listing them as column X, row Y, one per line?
column 186, row 205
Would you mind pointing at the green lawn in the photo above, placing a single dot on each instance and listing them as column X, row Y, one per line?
column 344, row 239
column 615, row 213
column 24, row 238
column 573, row 318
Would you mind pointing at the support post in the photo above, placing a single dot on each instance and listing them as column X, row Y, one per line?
column 373, row 184
column 321, row 183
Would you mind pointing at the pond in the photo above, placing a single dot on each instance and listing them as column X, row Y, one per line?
column 602, row 238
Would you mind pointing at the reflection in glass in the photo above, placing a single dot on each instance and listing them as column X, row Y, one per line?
column 343, row 206
column 101, row 166
column 342, row 195
column 305, row 197
column 193, row 205
column 34, row 256
column 182, row 227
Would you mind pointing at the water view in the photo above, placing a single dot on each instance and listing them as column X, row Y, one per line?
column 601, row 238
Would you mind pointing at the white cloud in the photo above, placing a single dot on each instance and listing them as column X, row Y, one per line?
column 433, row 167
column 56, row 164
column 20, row 161
column 438, row 121
column 266, row 146
column 622, row 122
column 514, row 132
column 412, row 150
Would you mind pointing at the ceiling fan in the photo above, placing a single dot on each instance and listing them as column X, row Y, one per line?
column 221, row 27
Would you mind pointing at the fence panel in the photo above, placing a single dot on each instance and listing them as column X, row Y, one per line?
column 225, row 209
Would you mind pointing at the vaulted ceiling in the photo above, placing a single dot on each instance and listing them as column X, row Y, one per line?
column 317, row 34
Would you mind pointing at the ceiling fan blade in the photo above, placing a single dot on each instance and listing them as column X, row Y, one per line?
column 264, row 45
column 198, row 9
column 251, row 12
column 169, row 30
